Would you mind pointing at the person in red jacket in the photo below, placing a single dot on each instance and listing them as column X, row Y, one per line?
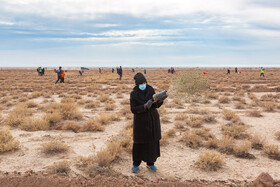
column 59, row 75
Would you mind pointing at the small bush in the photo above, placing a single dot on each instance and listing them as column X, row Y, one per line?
column 31, row 104
column 230, row 115
column 192, row 140
column 106, row 156
column 269, row 106
column 224, row 100
column 272, row 151
column 165, row 119
column 7, row 142
column 242, row 150
column 212, row 143
column 34, row 124
column 277, row 135
column 204, row 133
column 226, row 145
column 53, row 118
column 212, row 96
column 54, row 147
column 179, row 125
column 257, row 142
column 254, row 113
column 210, row 161
column 61, row 167
column 92, row 125
column 164, row 139
column 92, row 105
column 71, row 125
column 109, row 107
column 235, row 131
column 181, row 117
column 70, row 111
column 209, row 118
column 195, row 122
column 171, row 132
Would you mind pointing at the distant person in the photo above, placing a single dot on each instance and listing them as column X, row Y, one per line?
column 145, row 71
column 43, row 71
column 99, row 70
column 59, row 73
column 133, row 70
column 81, row 72
column 262, row 72
column 228, row 71
column 113, row 70
column 146, row 124
column 236, row 70
column 119, row 71
column 169, row 71
column 38, row 69
column 172, row 70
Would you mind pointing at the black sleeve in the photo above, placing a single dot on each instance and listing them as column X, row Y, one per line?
column 133, row 106
column 157, row 104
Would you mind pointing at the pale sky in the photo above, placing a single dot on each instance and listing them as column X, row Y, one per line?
column 162, row 33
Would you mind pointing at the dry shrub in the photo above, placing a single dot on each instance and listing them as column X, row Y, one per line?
column 84, row 162
column 226, row 145
column 199, row 111
column 204, row 133
column 103, row 98
column 235, row 131
column 105, row 118
column 195, row 122
column 71, row 125
column 127, row 140
column 181, row 117
column 125, row 102
column 206, row 101
column 7, row 142
column 272, row 151
column 171, row 132
column 54, row 147
column 269, row 106
column 255, row 113
column 109, row 107
column 179, row 125
column 277, row 135
column 257, row 142
column 34, row 124
column 165, row 119
column 53, row 117
column 192, row 140
column 242, row 150
column 70, row 111
column 36, row 94
column 230, row 115
column 210, row 161
column 60, row 167
column 17, row 116
column 92, row 125
column 164, row 139
column 106, row 156
column 31, row 104
column 239, row 106
column 211, row 143
column 209, row 118
column 92, row 104
column 224, row 100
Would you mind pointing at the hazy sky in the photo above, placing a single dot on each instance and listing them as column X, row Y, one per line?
column 140, row 33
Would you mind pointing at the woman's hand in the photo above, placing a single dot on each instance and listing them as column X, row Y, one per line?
column 148, row 104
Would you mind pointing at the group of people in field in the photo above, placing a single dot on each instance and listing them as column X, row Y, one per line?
column 41, row 71
column 236, row 71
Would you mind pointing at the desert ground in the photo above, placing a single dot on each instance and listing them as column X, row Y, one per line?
column 217, row 129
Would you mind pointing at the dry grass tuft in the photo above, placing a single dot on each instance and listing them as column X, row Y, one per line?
column 272, row 151
column 109, row 107
column 195, row 122
column 60, row 167
column 34, row 124
column 54, row 147
column 192, row 140
column 210, row 161
column 204, row 133
column 242, row 150
column 181, row 117
column 106, row 156
column 92, row 125
column 269, row 106
column 70, row 111
column 179, row 125
column 257, row 142
column 92, row 104
column 226, row 145
column 254, row 113
column 209, row 118
column 277, row 135
column 31, row 104
column 53, row 117
column 71, row 125
column 7, row 142
column 212, row 96
column 235, row 131
column 224, row 100
column 211, row 143
column 230, row 115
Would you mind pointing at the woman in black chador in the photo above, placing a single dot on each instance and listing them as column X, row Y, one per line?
column 146, row 124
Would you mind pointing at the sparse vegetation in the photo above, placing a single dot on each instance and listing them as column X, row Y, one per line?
column 60, row 167
column 210, row 161
column 54, row 147
column 7, row 142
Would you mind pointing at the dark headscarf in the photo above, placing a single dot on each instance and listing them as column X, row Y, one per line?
column 139, row 78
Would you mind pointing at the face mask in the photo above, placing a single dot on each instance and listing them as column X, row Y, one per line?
column 142, row 86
